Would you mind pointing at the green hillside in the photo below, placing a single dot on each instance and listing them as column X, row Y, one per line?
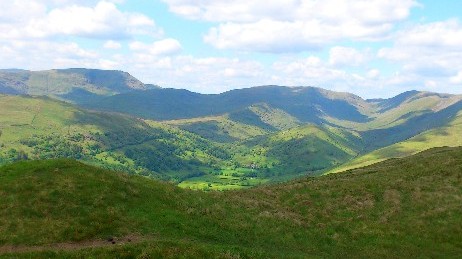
column 41, row 128
column 305, row 104
column 448, row 135
column 245, row 113
column 75, row 84
column 255, row 120
column 237, row 139
column 398, row 208
column 283, row 155
column 218, row 128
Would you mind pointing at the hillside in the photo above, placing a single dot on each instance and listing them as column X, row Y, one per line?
column 237, row 139
column 242, row 114
column 245, row 113
column 75, row 84
column 448, row 135
column 42, row 128
column 255, row 120
column 398, row 208
column 306, row 104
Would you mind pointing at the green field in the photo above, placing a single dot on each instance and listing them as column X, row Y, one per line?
column 398, row 208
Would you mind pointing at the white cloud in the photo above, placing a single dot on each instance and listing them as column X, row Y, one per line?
column 110, row 44
column 39, row 55
column 457, row 79
column 206, row 75
column 378, row 11
column 373, row 74
column 311, row 71
column 344, row 56
column 104, row 20
column 158, row 48
column 429, row 55
column 291, row 26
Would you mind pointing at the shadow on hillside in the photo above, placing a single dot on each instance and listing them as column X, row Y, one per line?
column 384, row 137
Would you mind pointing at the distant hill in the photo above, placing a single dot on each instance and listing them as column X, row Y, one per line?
column 398, row 208
column 71, row 84
column 236, row 139
column 447, row 135
column 307, row 104
column 43, row 128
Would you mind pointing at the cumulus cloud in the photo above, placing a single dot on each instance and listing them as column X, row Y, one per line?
column 291, row 26
column 46, row 55
column 158, row 48
column 456, row 79
column 206, row 75
column 429, row 54
column 110, row 44
column 344, row 56
column 103, row 20
column 313, row 71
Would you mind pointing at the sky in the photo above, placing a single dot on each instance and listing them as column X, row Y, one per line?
column 372, row 48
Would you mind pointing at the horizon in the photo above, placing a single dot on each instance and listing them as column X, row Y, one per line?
column 216, row 46
column 233, row 89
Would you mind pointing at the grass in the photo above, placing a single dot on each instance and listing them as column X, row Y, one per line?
column 260, row 137
column 448, row 135
column 398, row 208
column 42, row 128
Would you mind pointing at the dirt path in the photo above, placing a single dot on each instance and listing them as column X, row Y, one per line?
column 5, row 249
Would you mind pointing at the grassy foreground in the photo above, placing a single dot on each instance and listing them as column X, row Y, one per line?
column 397, row 208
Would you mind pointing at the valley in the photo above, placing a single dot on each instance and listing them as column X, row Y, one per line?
column 237, row 139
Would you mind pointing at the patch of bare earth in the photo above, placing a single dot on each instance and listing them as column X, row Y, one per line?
column 68, row 246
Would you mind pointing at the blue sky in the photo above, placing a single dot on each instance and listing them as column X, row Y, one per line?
column 373, row 48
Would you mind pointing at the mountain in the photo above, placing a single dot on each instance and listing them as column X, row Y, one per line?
column 235, row 139
column 307, row 104
column 447, row 135
column 397, row 208
column 75, row 84
column 268, row 109
column 43, row 128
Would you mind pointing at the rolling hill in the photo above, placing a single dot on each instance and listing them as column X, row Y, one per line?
column 75, row 84
column 43, row 128
column 245, row 113
column 236, row 139
column 307, row 104
column 447, row 135
column 398, row 208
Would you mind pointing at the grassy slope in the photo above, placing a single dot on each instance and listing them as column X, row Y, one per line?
column 43, row 128
column 306, row 104
column 448, row 135
column 255, row 120
column 218, row 128
column 399, row 208
column 281, row 156
column 64, row 81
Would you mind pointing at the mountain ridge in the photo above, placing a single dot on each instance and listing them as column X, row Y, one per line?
column 236, row 139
